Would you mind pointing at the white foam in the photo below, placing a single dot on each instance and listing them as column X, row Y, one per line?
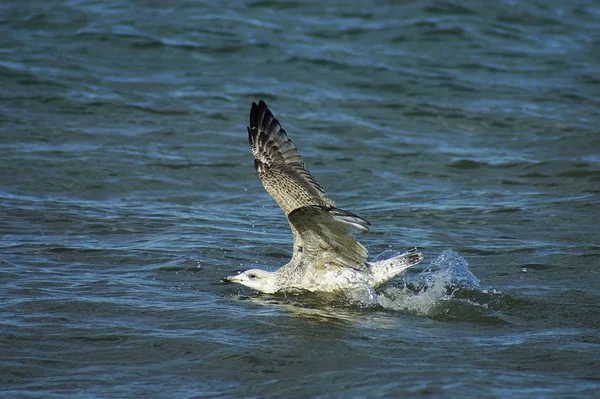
column 423, row 292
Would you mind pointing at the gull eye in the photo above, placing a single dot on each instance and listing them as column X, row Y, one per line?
column 252, row 276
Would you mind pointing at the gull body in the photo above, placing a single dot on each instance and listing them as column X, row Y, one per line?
column 326, row 258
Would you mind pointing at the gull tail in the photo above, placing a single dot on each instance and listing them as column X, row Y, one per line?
column 385, row 270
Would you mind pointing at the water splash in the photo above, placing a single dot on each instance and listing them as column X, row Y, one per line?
column 445, row 289
column 449, row 266
column 451, row 270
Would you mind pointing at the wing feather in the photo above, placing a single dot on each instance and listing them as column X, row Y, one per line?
column 279, row 164
column 325, row 234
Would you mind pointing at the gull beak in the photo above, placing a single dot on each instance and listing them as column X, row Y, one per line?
column 230, row 279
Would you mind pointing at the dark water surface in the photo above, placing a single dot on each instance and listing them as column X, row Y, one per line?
column 127, row 191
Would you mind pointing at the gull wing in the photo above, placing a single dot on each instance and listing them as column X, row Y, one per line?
column 324, row 233
column 281, row 169
column 279, row 165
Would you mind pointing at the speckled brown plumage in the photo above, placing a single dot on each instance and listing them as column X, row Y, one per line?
column 325, row 256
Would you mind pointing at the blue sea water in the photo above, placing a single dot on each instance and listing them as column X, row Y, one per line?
column 467, row 129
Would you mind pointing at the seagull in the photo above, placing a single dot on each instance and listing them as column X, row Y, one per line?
column 326, row 258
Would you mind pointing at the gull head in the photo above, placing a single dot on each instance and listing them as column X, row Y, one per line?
column 259, row 280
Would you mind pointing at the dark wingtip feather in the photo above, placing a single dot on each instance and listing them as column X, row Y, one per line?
column 250, row 134
column 259, row 113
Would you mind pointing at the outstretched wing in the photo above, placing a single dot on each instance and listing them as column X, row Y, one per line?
column 279, row 165
column 325, row 237
column 321, row 232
